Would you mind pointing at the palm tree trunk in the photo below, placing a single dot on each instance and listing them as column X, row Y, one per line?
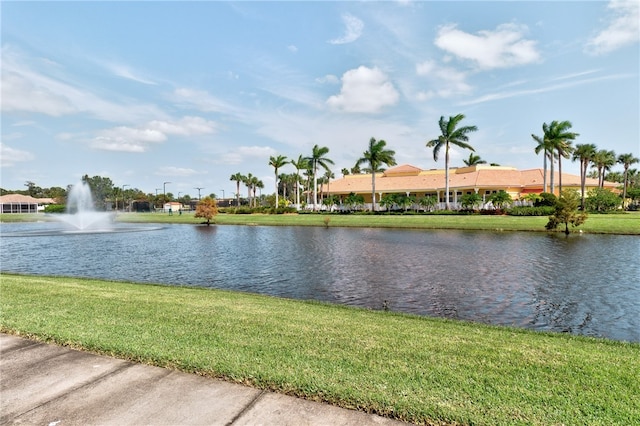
column 373, row 189
column 315, row 185
column 544, row 171
column 446, row 177
column 552, row 173
column 559, row 172
column 238, row 193
column 583, row 180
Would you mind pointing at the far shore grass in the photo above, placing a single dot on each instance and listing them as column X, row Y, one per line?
column 625, row 223
column 417, row 369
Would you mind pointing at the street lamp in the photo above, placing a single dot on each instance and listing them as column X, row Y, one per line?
column 122, row 198
column 164, row 193
column 198, row 192
column 222, row 193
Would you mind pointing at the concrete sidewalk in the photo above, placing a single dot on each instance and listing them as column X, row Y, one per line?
column 50, row 385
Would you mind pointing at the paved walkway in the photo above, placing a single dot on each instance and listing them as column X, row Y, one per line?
column 50, row 385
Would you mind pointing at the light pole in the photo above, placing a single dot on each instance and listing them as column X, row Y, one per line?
column 157, row 189
column 122, row 197
column 164, row 193
column 198, row 192
column 222, row 193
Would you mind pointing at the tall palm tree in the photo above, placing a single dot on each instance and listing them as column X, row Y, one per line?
column 300, row 164
column 375, row 157
column 255, row 184
column 473, row 160
column 626, row 160
column 276, row 163
column 602, row 161
column 318, row 158
column 248, row 182
column 560, row 138
column 583, row 153
column 450, row 135
column 545, row 146
column 237, row 177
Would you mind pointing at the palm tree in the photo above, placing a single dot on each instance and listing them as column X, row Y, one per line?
column 626, row 160
column 560, row 138
column 473, row 160
column 450, row 135
column 583, row 153
column 316, row 159
column 375, row 157
column 300, row 164
column 545, row 146
column 248, row 182
column 237, row 177
column 256, row 183
column 328, row 175
column 276, row 163
column 602, row 161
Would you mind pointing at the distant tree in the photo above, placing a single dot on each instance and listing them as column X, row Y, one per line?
column 602, row 161
column 470, row 201
column 450, row 134
column 567, row 212
column 318, row 158
column 602, row 200
column 237, row 178
column 428, row 202
column 345, row 172
column 375, row 157
column 277, row 163
column 560, row 139
column 355, row 170
column 545, row 146
column 101, row 188
column 626, row 160
column 300, row 164
column 207, row 209
column 500, row 199
column 584, row 153
column 473, row 160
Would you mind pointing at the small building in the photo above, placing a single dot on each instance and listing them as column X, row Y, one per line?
column 18, row 203
column 173, row 207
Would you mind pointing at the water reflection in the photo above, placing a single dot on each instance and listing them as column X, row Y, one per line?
column 584, row 284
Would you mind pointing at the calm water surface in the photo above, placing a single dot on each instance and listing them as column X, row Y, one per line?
column 583, row 284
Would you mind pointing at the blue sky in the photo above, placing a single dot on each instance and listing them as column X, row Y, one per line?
column 193, row 92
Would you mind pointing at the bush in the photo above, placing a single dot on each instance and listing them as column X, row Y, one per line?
column 546, row 199
column 602, row 200
column 531, row 211
column 55, row 208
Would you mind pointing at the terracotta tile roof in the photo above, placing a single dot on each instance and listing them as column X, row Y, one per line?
column 23, row 199
column 407, row 178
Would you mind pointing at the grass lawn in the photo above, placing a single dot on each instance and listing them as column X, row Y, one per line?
column 421, row 370
column 628, row 223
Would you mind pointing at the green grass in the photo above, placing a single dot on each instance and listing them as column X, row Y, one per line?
column 628, row 223
column 422, row 370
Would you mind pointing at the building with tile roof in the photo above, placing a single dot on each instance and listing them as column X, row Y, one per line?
column 481, row 179
column 18, row 203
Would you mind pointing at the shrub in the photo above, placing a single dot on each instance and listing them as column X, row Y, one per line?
column 546, row 199
column 55, row 208
column 531, row 211
column 602, row 200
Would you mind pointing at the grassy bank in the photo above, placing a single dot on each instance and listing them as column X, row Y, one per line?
column 416, row 369
column 628, row 223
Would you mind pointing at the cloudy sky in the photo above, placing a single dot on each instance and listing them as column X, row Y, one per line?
column 193, row 92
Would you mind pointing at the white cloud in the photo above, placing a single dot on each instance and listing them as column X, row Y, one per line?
column 200, row 99
column 129, row 139
column 450, row 82
column 242, row 154
column 505, row 47
column 9, row 156
column 329, row 78
column 352, row 32
column 623, row 28
column 124, row 71
column 364, row 90
column 176, row 171
column 292, row 48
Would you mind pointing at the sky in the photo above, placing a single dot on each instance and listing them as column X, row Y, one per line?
column 191, row 93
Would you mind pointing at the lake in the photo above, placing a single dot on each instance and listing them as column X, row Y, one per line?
column 582, row 284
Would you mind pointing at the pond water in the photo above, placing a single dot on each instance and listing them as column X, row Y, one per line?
column 582, row 284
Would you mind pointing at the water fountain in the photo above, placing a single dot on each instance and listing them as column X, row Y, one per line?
column 81, row 215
